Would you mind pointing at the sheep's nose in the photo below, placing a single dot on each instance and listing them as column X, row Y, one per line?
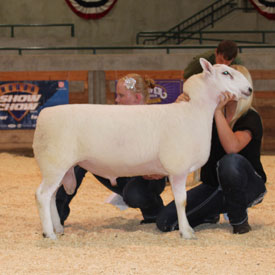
column 250, row 89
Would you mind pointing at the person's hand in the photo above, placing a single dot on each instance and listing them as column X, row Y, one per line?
column 153, row 177
column 224, row 98
column 183, row 97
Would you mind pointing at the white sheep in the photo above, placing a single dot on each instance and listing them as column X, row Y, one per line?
column 114, row 141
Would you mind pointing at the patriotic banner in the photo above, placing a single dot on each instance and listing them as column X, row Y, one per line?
column 165, row 91
column 91, row 9
column 21, row 102
column 265, row 7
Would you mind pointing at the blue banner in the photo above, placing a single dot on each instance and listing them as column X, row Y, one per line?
column 22, row 101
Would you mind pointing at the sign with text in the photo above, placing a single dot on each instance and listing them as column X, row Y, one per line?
column 22, row 101
column 165, row 91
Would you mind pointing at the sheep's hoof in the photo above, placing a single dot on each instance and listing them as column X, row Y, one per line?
column 188, row 234
column 50, row 236
column 59, row 230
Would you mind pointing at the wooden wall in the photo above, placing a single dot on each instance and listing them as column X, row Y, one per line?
column 264, row 101
column 75, row 97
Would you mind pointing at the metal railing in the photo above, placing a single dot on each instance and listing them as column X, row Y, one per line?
column 13, row 26
column 197, row 22
column 200, row 35
column 94, row 50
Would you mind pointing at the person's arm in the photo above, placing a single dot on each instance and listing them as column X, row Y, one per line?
column 232, row 142
column 183, row 97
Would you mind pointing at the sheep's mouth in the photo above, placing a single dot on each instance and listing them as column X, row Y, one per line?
column 246, row 93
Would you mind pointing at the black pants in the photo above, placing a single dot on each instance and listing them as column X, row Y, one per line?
column 240, row 188
column 136, row 192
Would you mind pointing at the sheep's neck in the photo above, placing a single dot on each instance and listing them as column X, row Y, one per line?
column 201, row 98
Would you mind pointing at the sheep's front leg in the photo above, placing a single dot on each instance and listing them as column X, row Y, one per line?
column 178, row 184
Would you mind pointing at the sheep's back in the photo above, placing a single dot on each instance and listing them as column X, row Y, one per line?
column 118, row 132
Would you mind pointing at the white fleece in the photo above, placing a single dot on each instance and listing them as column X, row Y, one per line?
column 115, row 140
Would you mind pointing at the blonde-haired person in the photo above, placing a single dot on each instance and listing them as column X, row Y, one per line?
column 133, row 89
column 244, row 104
column 137, row 192
column 233, row 178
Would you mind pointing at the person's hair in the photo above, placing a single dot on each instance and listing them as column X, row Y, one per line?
column 244, row 104
column 141, row 85
column 228, row 49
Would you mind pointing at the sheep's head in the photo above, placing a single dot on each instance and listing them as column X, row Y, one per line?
column 224, row 78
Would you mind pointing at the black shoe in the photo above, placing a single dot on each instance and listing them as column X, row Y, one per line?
column 212, row 219
column 241, row 228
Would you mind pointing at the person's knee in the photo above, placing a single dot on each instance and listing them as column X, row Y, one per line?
column 228, row 167
column 133, row 196
column 228, row 162
column 138, row 193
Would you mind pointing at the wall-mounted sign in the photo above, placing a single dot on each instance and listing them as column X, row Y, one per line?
column 21, row 101
column 165, row 91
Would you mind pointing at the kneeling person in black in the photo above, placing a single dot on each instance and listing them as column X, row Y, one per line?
column 233, row 178
column 137, row 192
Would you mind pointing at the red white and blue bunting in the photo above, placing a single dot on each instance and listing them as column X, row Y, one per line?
column 265, row 7
column 91, row 9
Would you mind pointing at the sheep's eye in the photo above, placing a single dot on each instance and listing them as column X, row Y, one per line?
column 227, row 73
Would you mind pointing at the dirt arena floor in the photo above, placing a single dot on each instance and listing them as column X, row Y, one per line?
column 101, row 239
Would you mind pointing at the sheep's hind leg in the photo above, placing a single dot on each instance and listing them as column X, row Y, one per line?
column 44, row 196
column 178, row 186
column 58, row 228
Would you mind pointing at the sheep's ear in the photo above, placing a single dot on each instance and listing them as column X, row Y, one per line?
column 206, row 66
